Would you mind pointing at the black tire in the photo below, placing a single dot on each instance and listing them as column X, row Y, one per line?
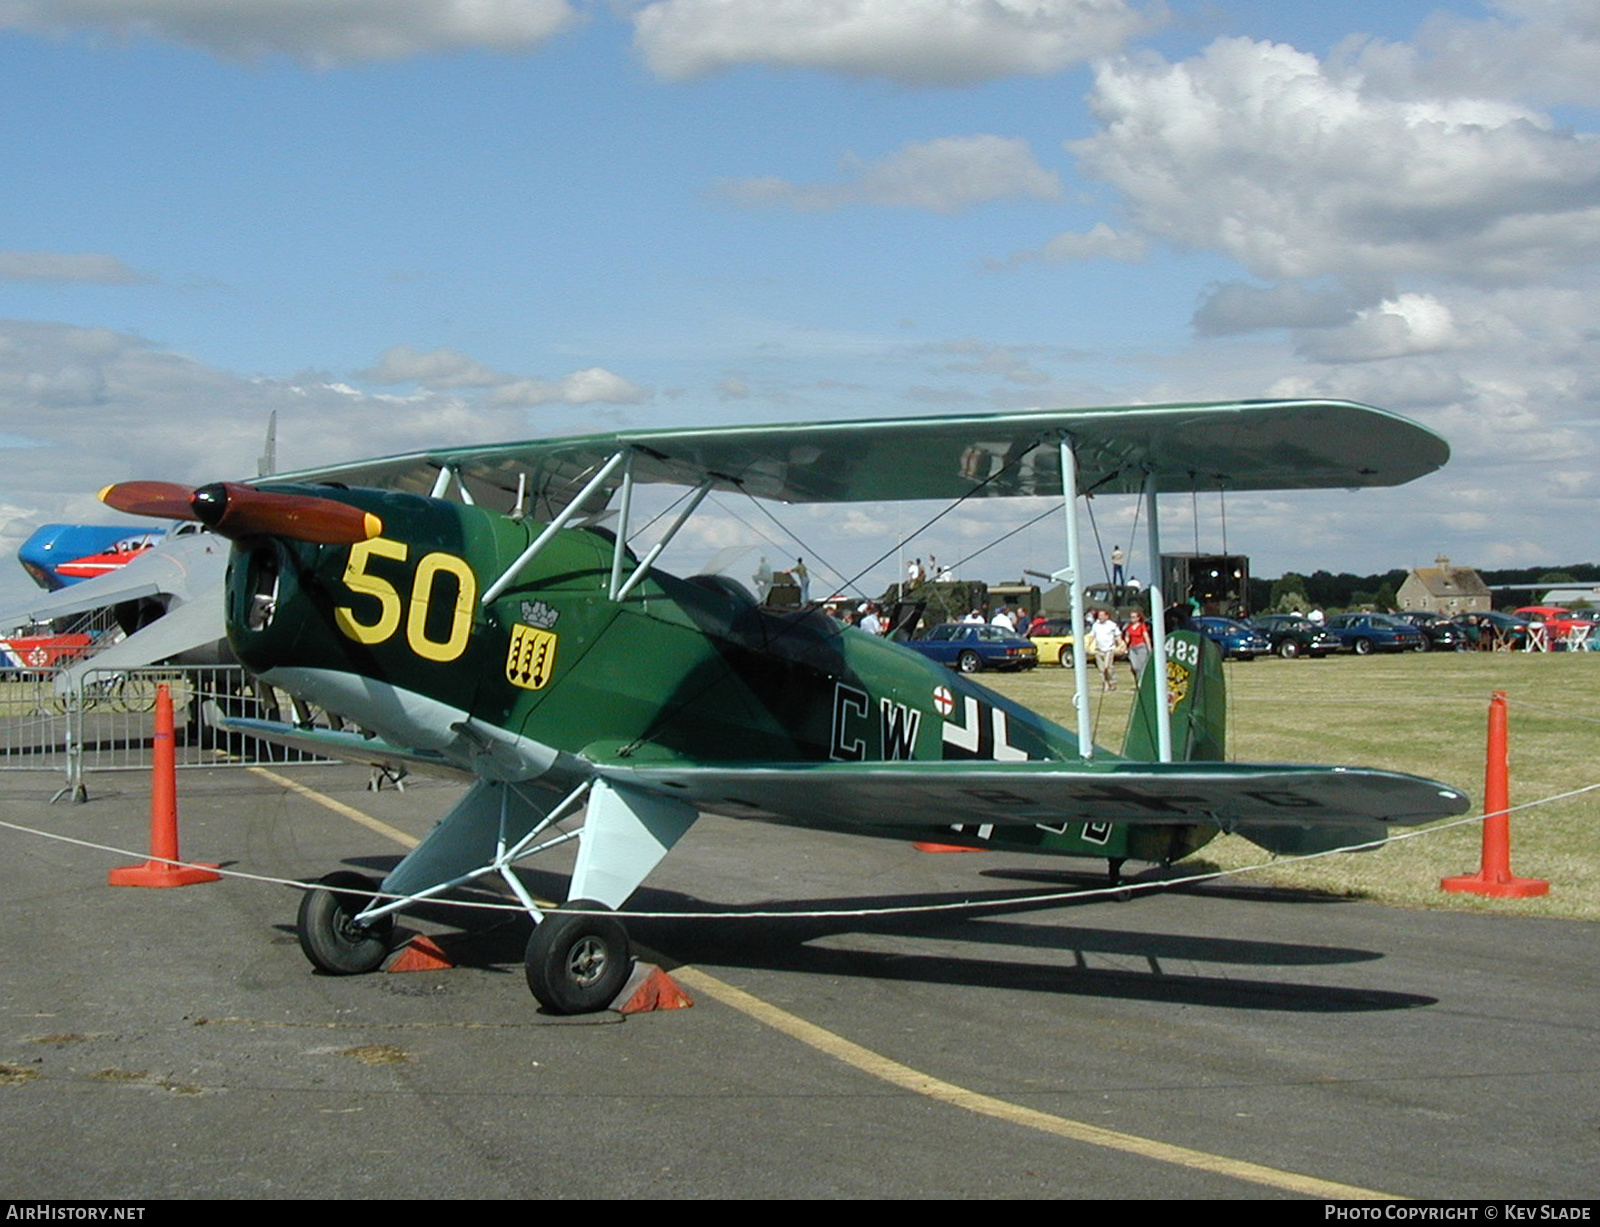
column 1362, row 647
column 969, row 662
column 1064, row 657
column 1424, row 646
column 578, row 964
column 1288, row 649
column 329, row 939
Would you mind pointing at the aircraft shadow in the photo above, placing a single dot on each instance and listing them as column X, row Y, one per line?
column 1151, row 882
column 494, row 942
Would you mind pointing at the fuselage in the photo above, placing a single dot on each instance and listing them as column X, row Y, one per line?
column 392, row 633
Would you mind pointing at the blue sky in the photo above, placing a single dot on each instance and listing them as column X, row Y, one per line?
column 403, row 223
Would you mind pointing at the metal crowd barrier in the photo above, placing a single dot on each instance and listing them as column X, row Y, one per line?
column 104, row 720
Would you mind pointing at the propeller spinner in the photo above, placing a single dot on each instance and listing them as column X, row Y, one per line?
column 244, row 511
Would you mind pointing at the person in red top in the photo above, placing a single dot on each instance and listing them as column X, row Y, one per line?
column 1137, row 636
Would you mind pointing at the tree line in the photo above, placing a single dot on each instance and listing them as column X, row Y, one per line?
column 1325, row 590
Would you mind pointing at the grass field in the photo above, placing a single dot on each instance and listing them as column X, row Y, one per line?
column 1421, row 713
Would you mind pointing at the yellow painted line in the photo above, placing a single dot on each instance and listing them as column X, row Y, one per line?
column 903, row 1076
column 338, row 807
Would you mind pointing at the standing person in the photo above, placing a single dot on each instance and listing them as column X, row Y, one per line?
column 1105, row 635
column 870, row 622
column 802, row 579
column 1002, row 619
column 1137, row 635
column 1117, row 559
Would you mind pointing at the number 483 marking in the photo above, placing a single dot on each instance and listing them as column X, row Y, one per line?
column 423, row 583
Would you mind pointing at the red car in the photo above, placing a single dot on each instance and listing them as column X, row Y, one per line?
column 1559, row 624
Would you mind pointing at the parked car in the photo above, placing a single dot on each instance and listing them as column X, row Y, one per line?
column 1232, row 637
column 1439, row 634
column 1561, row 626
column 1294, row 635
column 1365, row 633
column 1053, row 641
column 1499, row 631
column 972, row 648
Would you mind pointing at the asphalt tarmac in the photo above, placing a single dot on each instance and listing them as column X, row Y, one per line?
column 1224, row 1041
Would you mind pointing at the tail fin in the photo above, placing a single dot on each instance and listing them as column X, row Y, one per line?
column 1197, row 697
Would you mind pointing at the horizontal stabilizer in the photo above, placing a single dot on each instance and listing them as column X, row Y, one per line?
column 190, row 634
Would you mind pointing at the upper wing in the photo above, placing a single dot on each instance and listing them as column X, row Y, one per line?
column 1238, row 445
column 919, row 794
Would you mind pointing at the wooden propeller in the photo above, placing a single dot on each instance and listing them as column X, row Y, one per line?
column 243, row 511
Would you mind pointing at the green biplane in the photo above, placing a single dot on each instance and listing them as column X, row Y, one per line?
column 471, row 612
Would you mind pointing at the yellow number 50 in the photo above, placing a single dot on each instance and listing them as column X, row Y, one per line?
column 358, row 580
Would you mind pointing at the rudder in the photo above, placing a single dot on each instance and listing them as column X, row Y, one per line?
column 1197, row 696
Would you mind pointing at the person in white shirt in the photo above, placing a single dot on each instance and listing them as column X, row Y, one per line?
column 1105, row 635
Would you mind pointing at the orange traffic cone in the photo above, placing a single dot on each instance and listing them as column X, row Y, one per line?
column 160, row 870
column 1494, row 876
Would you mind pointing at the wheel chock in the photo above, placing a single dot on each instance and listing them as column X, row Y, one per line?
column 650, row 988
column 422, row 953
column 160, row 869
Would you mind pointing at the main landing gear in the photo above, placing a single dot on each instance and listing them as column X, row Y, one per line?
column 579, row 958
column 578, row 964
column 329, row 934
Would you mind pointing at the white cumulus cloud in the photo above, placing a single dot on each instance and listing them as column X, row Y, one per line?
column 1263, row 153
column 946, row 175
column 91, row 267
column 434, row 368
column 1397, row 327
column 916, row 42
column 319, row 32
column 1545, row 50
column 586, row 387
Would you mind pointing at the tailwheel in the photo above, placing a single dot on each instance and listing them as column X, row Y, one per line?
column 329, row 935
column 578, row 964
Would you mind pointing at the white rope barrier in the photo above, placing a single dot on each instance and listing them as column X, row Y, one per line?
column 967, row 905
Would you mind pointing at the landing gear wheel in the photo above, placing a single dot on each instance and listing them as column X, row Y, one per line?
column 329, row 936
column 969, row 662
column 578, row 964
